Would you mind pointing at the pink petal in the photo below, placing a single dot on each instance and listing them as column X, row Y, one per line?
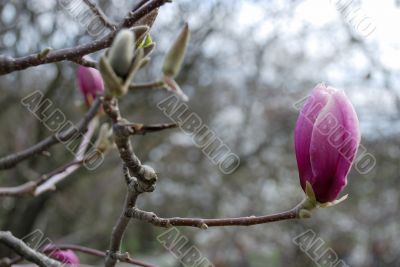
column 348, row 149
column 335, row 126
column 303, row 131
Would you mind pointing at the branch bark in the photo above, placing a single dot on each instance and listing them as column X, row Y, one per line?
column 152, row 218
column 91, row 251
column 119, row 229
column 10, row 64
column 26, row 252
column 10, row 161
column 148, row 86
column 100, row 14
column 139, row 178
column 142, row 129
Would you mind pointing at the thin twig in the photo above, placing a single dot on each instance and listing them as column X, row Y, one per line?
column 20, row 190
column 100, row 14
column 152, row 218
column 147, row 86
column 10, row 64
column 146, row 13
column 98, row 253
column 28, row 188
column 119, row 229
column 51, row 182
column 139, row 4
column 13, row 159
column 85, row 62
column 26, row 252
column 142, row 129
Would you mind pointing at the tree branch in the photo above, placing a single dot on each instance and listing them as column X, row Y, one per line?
column 119, row 229
column 9, row 64
column 152, row 218
column 26, row 252
column 139, row 178
column 100, row 14
column 95, row 252
column 85, row 62
column 29, row 188
column 142, row 129
column 10, row 161
column 50, row 183
column 147, row 86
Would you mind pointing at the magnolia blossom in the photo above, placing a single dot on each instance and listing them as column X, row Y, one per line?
column 326, row 140
column 66, row 256
column 90, row 83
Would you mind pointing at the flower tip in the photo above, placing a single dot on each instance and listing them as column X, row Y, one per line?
column 175, row 55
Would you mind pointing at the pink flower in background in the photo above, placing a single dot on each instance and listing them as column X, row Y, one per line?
column 326, row 140
column 90, row 83
column 65, row 256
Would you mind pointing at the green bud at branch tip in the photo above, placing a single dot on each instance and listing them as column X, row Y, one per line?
column 175, row 55
column 121, row 52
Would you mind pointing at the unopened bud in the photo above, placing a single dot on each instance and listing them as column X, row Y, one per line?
column 174, row 58
column 149, row 49
column 104, row 140
column 140, row 33
column 90, row 83
column 147, row 41
column 44, row 53
column 121, row 52
column 148, row 173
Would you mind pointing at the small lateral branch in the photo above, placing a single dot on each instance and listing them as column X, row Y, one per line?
column 152, row 218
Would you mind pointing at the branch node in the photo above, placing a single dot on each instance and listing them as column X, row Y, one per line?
column 44, row 53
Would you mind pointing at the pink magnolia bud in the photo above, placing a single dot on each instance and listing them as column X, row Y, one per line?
column 65, row 256
column 326, row 140
column 90, row 83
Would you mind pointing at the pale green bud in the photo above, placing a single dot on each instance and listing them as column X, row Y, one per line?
column 175, row 55
column 140, row 33
column 104, row 140
column 121, row 52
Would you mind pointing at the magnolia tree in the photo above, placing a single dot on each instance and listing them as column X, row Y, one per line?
column 326, row 137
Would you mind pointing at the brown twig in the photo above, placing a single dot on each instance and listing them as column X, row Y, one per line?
column 119, row 230
column 49, row 183
column 26, row 252
column 139, row 4
column 148, row 86
column 13, row 159
column 29, row 188
column 95, row 252
column 142, row 129
column 100, row 14
column 10, row 64
column 139, row 178
column 152, row 218
column 85, row 62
